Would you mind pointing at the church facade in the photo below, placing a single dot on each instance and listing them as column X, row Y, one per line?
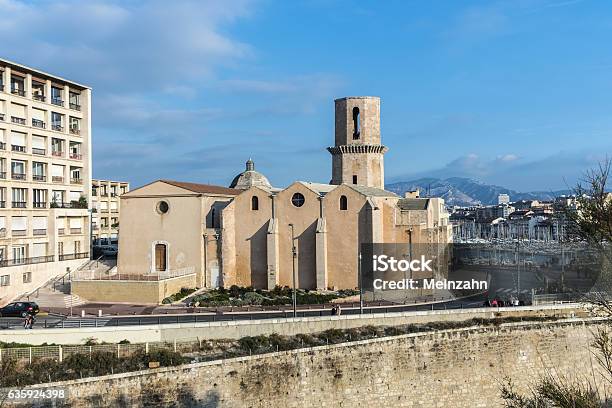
column 254, row 234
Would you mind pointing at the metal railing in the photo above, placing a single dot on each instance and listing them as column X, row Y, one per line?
column 57, row 179
column 75, row 106
column 38, row 123
column 59, row 352
column 39, row 177
column 75, row 131
column 26, row 261
column 70, row 257
column 75, row 230
column 39, row 97
column 18, row 148
column 39, row 232
column 97, row 275
column 17, row 91
column 18, row 176
column 39, row 151
column 57, row 101
column 76, row 156
column 39, row 204
column 57, row 127
column 57, row 153
column 18, row 120
column 19, row 204
column 76, row 181
column 19, row 233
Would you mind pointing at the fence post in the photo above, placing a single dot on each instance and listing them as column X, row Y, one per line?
column 61, row 354
column 30, row 348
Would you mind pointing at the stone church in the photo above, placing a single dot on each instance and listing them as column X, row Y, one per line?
column 189, row 234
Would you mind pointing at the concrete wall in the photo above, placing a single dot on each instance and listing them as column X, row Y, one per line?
column 453, row 368
column 284, row 326
column 139, row 292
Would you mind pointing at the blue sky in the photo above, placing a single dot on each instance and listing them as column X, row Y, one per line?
column 516, row 93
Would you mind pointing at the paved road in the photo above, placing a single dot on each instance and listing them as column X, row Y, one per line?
column 51, row 322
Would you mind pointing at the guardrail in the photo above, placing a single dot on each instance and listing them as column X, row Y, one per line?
column 97, row 275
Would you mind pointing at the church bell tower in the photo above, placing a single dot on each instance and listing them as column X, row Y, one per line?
column 357, row 157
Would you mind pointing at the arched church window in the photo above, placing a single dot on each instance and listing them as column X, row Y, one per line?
column 343, row 203
column 298, row 199
column 356, row 124
column 254, row 203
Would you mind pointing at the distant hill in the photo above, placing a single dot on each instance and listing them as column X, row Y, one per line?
column 465, row 191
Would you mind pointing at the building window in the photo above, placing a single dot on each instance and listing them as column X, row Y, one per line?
column 356, row 125
column 354, row 179
column 19, row 254
column 160, row 257
column 5, row 280
column 163, row 207
column 27, row 277
column 343, row 203
column 254, row 203
column 298, row 199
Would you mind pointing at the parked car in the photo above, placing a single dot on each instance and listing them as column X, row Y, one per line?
column 19, row 309
column 110, row 251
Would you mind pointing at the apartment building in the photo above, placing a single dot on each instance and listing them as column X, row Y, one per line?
column 45, row 177
column 105, row 206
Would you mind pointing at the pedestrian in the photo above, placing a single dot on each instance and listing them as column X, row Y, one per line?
column 333, row 310
column 338, row 310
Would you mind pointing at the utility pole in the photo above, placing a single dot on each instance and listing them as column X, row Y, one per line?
column 360, row 285
column 294, row 257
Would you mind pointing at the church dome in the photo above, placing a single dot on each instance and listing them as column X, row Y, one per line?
column 249, row 178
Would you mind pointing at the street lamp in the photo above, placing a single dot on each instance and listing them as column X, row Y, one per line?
column 360, row 285
column 294, row 257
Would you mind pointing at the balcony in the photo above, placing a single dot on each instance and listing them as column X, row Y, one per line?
column 76, row 156
column 61, row 231
column 19, row 204
column 57, row 127
column 18, row 120
column 18, row 148
column 75, row 106
column 17, row 91
column 39, row 177
column 39, row 232
column 27, row 261
column 19, row 233
column 38, row 204
column 75, row 131
column 37, row 123
column 57, row 179
column 18, row 176
column 39, row 97
column 75, row 230
column 3, row 175
column 41, row 152
column 57, row 153
column 57, row 101
column 69, row 257
column 76, row 181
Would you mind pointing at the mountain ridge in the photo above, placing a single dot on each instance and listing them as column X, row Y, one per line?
column 463, row 191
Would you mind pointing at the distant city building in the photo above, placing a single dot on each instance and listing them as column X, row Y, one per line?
column 105, row 205
column 45, row 177
column 503, row 199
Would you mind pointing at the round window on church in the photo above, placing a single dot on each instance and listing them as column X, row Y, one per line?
column 298, row 199
column 162, row 207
